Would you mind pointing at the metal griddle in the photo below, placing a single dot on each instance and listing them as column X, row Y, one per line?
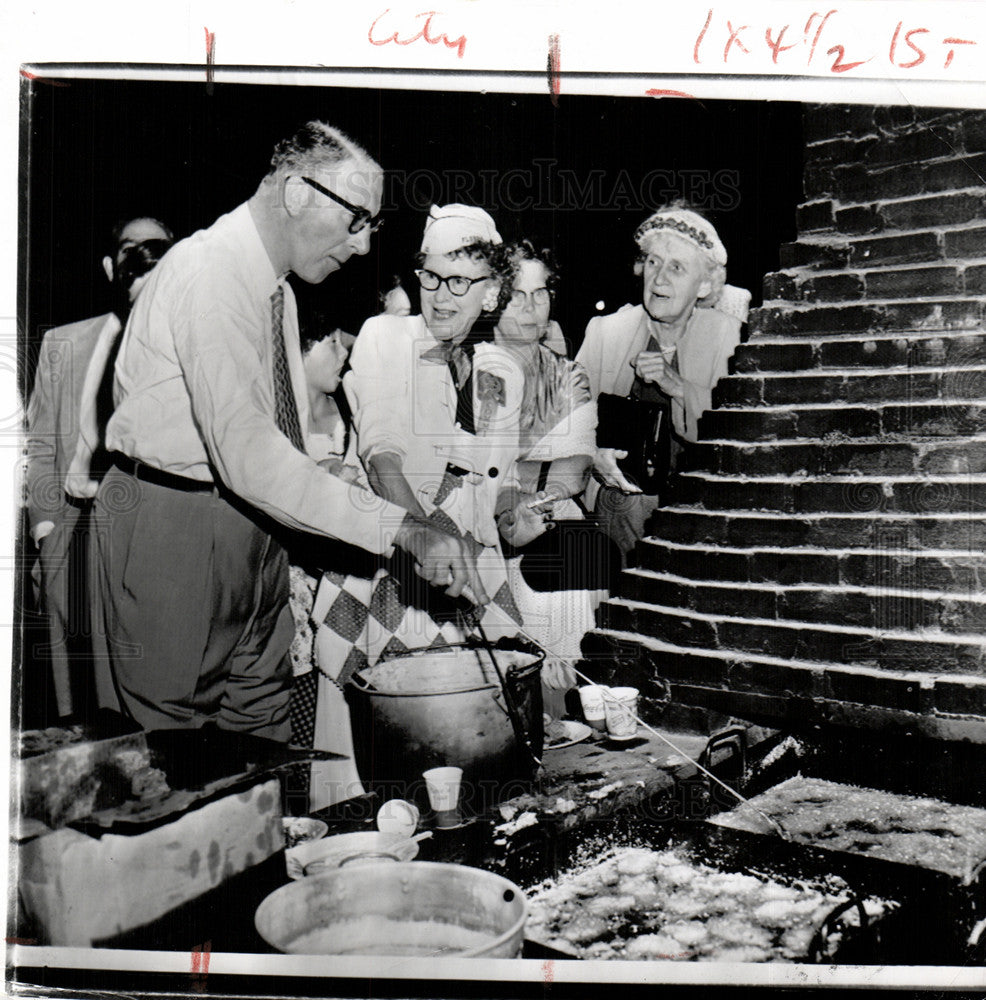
column 934, row 913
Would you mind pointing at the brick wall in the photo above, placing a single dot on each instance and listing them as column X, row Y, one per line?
column 823, row 559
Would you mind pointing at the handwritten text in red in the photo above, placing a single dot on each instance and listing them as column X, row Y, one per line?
column 425, row 32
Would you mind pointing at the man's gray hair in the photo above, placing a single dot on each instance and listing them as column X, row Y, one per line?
column 315, row 145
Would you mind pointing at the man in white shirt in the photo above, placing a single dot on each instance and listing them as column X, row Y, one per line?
column 209, row 438
column 67, row 388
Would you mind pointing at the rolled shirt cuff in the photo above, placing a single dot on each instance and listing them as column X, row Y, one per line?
column 41, row 530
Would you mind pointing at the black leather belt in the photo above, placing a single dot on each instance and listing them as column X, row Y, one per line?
column 149, row 474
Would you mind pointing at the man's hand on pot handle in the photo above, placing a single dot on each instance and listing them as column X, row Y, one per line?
column 605, row 464
column 442, row 559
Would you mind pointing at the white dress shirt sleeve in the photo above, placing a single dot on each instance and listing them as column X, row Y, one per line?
column 222, row 345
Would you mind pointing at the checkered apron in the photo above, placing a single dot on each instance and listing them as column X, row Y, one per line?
column 361, row 621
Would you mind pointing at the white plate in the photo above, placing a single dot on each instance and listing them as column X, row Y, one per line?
column 575, row 732
column 349, row 848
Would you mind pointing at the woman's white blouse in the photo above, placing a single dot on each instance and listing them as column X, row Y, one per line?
column 403, row 400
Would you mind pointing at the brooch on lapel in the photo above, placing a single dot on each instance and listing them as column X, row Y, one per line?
column 491, row 391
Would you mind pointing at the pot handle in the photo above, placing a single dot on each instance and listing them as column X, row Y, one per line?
column 500, row 700
column 733, row 741
column 816, row 950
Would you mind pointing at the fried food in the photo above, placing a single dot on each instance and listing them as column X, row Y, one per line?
column 664, row 906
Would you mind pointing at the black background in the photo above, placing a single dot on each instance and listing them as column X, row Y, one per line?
column 94, row 152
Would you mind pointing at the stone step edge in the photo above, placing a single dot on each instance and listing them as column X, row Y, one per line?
column 925, row 679
column 810, row 407
column 819, row 237
column 959, row 479
column 835, row 239
column 887, row 371
column 916, row 440
column 812, row 550
column 813, row 588
column 857, row 270
column 929, row 636
column 819, row 338
column 823, row 515
column 837, row 203
column 807, row 305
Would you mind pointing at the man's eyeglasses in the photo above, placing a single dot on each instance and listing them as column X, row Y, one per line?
column 540, row 297
column 457, row 284
column 361, row 216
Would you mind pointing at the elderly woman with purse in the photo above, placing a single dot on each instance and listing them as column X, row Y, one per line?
column 652, row 367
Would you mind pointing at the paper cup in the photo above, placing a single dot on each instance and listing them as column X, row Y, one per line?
column 620, row 704
column 398, row 816
column 443, row 793
column 591, row 696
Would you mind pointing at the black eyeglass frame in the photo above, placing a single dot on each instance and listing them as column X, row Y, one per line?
column 361, row 216
column 447, row 280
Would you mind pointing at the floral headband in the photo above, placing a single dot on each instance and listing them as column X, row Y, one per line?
column 687, row 224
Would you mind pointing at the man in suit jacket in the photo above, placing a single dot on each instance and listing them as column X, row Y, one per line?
column 670, row 350
column 72, row 369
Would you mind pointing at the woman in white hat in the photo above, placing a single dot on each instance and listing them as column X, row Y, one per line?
column 436, row 417
column 652, row 367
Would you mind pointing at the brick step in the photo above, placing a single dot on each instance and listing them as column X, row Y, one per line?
column 828, row 458
column 793, row 422
column 892, row 564
column 914, row 246
column 845, row 494
column 911, row 349
column 850, row 387
column 895, row 143
column 693, row 525
column 872, row 647
column 869, row 606
column 931, row 314
column 952, row 208
column 823, row 122
column 902, row 282
column 856, row 182
column 785, row 679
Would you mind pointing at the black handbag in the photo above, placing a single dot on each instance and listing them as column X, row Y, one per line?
column 641, row 428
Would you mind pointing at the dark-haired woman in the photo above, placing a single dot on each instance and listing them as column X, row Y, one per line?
column 561, row 566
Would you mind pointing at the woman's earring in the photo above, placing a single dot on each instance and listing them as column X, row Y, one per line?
column 490, row 298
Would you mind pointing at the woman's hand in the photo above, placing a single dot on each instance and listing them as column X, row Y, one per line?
column 347, row 473
column 652, row 367
column 529, row 518
column 605, row 464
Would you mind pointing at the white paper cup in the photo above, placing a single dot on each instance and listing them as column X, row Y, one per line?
column 398, row 816
column 620, row 704
column 443, row 793
column 591, row 696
